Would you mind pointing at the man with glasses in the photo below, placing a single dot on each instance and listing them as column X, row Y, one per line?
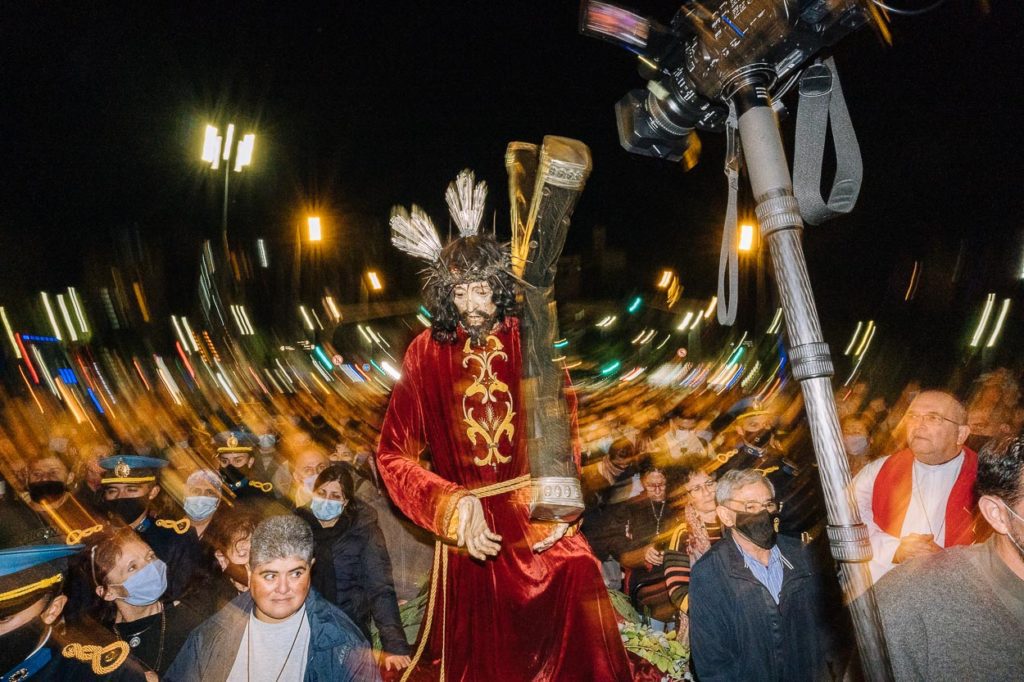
column 959, row 614
column 921, row 499
column 757, row 601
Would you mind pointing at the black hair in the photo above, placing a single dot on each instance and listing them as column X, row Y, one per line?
column 340, row 472
column 468, row 259
column 1001, row 469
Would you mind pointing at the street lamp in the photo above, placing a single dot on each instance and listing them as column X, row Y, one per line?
column 315, row 232
column 216, row 149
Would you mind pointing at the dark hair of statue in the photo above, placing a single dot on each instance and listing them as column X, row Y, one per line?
column 465, row 260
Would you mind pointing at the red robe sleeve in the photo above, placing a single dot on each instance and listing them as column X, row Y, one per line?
column 423, row 496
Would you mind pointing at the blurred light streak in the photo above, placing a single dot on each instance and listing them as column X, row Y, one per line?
column 184, row 359
column 610, row 367
column 696, row 320
column 168, row 380
column 318, row 352
column 684, row 325
column 662, row 344
column 332, row 308
column 374, row 278
column 316, row 318
column 227, row 389
column 989, row 302
column 245, row 318
column 735, row 377
column 238, row 320
column 305, row 317
column 753, row 376
column 424, row 321
column 868, row 333
column 635, row 305
column 324, row 374
column 915, row 276
column 352, row 374
column 181, row 336
column 141, row 298
column 45, row 371
column 95, row 402
column 647, row 338
column 28, row 362
column 32, row 392
column 561, row 343
column 67, row 316
column 632, row 374
column 10, row 333
column 776, row 324
column 103, row 381
column 49, row 313
column 391, row 371
column 315, row 230
column 853, row 339
column 191, row 334
column 426, row 313
column 711, row 307
column 74, row 407
column 573, row 365
column 270, row 377
column 666, row 279
column 560, row 358
column 363, row 332
column 79, row 315
column 608, row 321
column 377, row 367
column 999, row 323
column 261, row 252
column 138, row 368
column 108, row 307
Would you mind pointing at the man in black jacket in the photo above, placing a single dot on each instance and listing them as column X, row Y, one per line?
column 758, row 605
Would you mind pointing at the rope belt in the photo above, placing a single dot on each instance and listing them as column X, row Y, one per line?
column 439, row 572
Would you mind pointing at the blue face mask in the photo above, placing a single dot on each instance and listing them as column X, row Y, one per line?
column 267, row 441
column 326, row 510
column 147, row 585
column 856, row 444
column 200, row 507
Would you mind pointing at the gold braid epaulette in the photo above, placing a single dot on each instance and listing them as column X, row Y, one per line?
column 99, row 657
column 180, row 526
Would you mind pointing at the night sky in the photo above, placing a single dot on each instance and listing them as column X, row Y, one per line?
column 358, row 106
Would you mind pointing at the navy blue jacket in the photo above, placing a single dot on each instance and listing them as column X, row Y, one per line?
column 337, row 650
column 738, row 632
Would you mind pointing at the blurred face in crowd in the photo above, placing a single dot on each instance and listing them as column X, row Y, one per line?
column 621, row 455
column 856, row 436
column 240, row 460
column 331, row 491
column 700, row 492
column 981, row 424
column 750, row 499
column 279, row 587
column 935, row 427
column 234, row 559
column 756, row 430
column 307, row 466
column 654, row 484
column 48, row 480
column 135, row 555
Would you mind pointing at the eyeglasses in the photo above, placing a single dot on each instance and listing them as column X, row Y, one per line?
column 707, row 486
column 929, row 418
column 754, row 506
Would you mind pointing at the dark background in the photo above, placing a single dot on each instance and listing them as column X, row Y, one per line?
column 358, row 106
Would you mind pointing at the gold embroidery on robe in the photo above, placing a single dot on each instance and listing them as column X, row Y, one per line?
column 494, row 419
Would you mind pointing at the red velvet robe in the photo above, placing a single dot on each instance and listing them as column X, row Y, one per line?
column 519, row 615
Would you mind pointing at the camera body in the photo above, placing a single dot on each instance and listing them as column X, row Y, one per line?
column 694, row 64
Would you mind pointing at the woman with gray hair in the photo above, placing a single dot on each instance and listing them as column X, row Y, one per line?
column 280, row 629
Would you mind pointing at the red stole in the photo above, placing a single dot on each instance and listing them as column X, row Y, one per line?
column 891, row 497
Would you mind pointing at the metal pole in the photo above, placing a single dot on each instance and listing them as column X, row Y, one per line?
column 224, row 216
column 781, row 225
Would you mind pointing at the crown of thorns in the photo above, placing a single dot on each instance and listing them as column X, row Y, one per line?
column 413, row 232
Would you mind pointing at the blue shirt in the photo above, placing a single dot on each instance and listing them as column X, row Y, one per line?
column 771, row 575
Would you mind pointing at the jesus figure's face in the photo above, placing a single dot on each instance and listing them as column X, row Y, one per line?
column 477, row 311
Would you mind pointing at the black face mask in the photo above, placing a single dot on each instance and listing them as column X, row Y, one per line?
column 232, row 475
column 976, row 441
column 46, row 491
column 127, row 508
column 15, row 646
column 758, row 527
column 237, row 573
column 759, row 438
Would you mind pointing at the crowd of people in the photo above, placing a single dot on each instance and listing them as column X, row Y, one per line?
column 270, row 549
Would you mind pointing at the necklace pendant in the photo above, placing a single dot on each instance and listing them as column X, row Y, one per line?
column 134, row 641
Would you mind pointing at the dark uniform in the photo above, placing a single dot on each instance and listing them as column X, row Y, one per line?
column 169, row 539
column 28, row 575
column 242, row 484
